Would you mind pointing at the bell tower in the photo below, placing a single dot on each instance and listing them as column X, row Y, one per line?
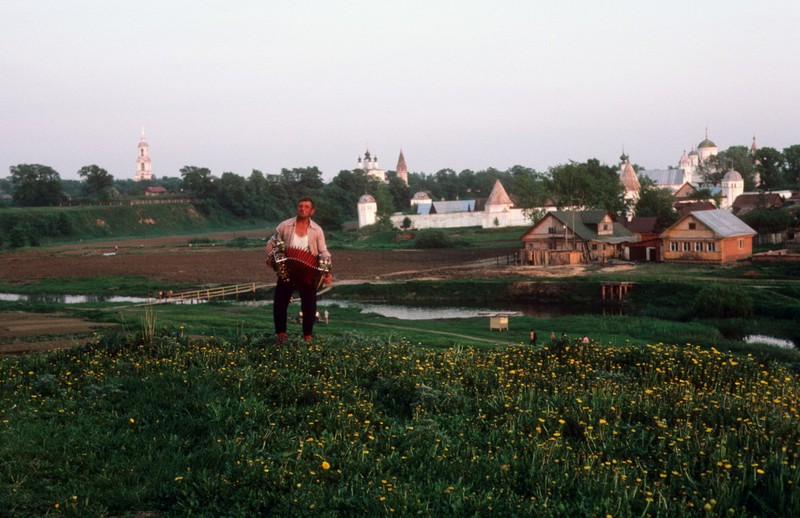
column 143, row 167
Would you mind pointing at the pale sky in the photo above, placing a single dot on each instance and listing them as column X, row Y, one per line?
column 242, row 85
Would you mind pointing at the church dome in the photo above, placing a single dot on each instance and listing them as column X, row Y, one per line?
column 366, row 198
column 706, row 143
column 732, row 176
column 421, row 195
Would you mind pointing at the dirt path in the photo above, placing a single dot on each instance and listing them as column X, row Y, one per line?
column 409, row 328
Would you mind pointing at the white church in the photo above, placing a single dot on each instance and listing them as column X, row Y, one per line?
column 497, row 211
column 687, row 176
column 144, row 169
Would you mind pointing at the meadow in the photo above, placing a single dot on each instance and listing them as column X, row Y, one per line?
column 193, row 410
column 151, row 422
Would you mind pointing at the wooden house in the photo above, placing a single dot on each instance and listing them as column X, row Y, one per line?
column 154, row 190
column 648, row 245
column 715, row 236
column 573, row 237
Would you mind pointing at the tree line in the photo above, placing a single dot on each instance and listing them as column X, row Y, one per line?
column 271, row 197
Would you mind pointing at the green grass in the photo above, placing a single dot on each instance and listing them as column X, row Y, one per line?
column 358, row 425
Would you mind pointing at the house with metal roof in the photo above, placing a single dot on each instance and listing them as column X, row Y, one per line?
column 572, row 237
column 715, row 236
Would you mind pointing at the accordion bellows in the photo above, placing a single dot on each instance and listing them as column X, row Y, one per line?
column 298, row 265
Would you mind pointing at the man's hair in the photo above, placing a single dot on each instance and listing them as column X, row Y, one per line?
column 306, row 198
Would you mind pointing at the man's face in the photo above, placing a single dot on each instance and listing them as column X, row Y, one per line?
column 305, row 209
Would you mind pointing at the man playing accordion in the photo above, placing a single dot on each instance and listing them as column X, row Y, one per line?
column 300, row 257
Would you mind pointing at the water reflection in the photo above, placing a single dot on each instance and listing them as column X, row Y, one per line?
column 68, row 299
column 769, row 340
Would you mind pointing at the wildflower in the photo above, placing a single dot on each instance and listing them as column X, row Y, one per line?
column 326, row 464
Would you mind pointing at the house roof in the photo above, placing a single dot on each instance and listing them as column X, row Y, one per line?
column 584, row 225
column 685, row 190
column 664, row 176
column 498, row 196
column 720, row 221
column 696, row 206
column 643, row 224
column 752, row 200
column 447, row 207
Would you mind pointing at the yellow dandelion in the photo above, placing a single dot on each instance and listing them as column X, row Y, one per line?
column 326, row 464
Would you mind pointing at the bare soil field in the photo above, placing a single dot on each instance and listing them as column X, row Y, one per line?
column 172, row 260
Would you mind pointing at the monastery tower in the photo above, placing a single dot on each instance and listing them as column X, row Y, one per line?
column 402, row 169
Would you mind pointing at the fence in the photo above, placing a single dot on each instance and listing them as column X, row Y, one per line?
column 206, row 294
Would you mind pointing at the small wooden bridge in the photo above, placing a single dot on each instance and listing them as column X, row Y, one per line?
column 219, row 292
column 206, row 294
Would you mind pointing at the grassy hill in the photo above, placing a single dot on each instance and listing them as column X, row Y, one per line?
column 35, row 226
column 167, row 424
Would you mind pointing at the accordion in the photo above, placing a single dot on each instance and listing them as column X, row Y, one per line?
column 297, row 265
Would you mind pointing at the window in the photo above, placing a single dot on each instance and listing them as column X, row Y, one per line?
column 692, row 226
column 698, row 246
column 687, row 246
column 673, row 246
column 711, row 247
column 741, row 244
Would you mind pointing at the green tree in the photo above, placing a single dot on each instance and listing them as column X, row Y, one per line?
column 401, row 194
column 303, row 180
column 446, row 184
column 791, row 156
column 36, row 185
column 99, row 184
column 712, row 170
column 769, row 164
column 739, row 159
column 233, row 194
column 768, row 220
column 705, row 194
column 589, row 185
column 383, row 198
column 198, row 181
column 529, row 188
column 656, row 202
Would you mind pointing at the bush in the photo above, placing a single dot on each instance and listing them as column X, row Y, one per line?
column 433, row 239
column 722, row 301
column 18, row 237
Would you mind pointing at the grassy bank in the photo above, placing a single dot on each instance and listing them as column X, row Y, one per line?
column 40, row 226
column 375, row 426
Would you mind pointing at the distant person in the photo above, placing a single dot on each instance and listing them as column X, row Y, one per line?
column 326, row 316
column 533, row 338
column 298, row 232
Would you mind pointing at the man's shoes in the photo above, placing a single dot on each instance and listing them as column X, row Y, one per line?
column 280, row 338
column 307, row 338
